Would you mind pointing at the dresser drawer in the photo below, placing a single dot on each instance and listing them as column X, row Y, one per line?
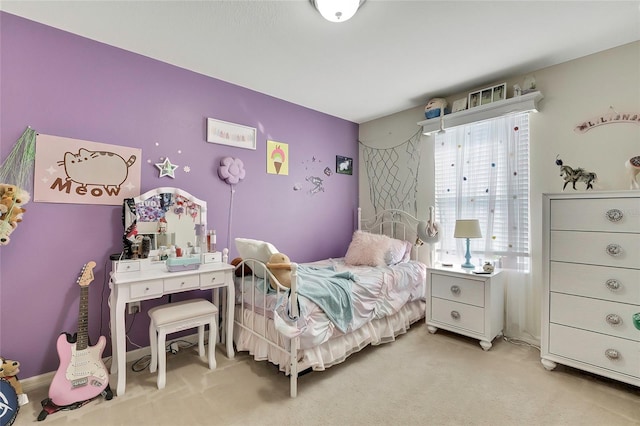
column 612, row 353
column 599, row 282
column 595, row 315
column 596, row 214
column 597, row 248
column 213, row 279
column 128, row 266
column 187, row 282
column 146, row 289
column 467, row 291
column 457, row 314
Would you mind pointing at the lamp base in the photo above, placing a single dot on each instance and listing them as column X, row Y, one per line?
column 467, row 256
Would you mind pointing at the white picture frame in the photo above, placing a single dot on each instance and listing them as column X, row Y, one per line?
column 499, row 92
column 459, row 105
column 225, row 133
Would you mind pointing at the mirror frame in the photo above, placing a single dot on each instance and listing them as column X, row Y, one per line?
column 129, row 217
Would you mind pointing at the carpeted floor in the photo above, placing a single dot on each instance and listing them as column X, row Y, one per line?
column 421, row 379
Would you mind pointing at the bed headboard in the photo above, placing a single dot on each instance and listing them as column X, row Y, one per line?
column 395, row 224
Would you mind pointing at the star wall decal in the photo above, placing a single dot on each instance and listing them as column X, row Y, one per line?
column 166, row 168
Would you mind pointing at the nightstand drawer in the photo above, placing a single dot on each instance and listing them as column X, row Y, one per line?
column 596, row 214
column 456, row 289
column 181, row 283
column 146, row 289
column 611, row 353
column 458, row 315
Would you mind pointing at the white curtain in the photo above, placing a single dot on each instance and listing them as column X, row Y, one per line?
column 482, row 172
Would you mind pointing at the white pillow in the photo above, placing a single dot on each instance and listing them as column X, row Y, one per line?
column 255, row 249
column 399, row 251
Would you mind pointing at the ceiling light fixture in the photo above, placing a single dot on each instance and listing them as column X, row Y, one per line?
column 337, row 10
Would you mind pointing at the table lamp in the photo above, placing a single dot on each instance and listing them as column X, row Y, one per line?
column 467, row 228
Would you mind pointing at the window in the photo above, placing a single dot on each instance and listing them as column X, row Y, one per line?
column 482, row 172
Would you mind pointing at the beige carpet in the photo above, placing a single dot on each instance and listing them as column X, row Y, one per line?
column 421, row 379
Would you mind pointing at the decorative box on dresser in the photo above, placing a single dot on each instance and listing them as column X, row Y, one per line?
column 591, row 270
column 465, row 303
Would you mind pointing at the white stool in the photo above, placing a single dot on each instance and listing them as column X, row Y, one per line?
column 173, row 317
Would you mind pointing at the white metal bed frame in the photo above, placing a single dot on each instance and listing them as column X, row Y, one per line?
column 393, row 223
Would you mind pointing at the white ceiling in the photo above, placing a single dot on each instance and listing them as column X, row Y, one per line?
column 393, row 55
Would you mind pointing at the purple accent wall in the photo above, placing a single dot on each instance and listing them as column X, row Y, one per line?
column 65, row 85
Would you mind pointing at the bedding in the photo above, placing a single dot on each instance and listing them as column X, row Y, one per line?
column 376, row 292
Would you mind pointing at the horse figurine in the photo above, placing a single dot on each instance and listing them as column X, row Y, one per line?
column 633, row 169
column 572, row 175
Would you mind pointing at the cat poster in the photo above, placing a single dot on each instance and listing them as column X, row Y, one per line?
column 83, row 172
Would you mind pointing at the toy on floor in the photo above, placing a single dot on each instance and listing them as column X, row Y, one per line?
column 280, row 266
column 9, row 370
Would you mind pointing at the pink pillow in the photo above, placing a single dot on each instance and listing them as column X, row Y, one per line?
column 367, row 249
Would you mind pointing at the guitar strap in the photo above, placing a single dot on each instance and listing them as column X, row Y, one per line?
column 49, row 407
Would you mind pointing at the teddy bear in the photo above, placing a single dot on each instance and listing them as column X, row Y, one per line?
column 9, row 370
column 5, row 230
column 10, row 210
column 280, row 266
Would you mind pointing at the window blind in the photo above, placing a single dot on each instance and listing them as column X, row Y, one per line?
column 482, row 172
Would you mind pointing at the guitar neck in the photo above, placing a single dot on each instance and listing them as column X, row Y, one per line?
column 83, row 319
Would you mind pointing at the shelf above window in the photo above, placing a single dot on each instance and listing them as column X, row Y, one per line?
column 523, row 103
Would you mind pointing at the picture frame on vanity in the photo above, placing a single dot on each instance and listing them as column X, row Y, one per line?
column 226, row 133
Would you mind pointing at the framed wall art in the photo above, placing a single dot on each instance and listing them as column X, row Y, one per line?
column 488, row 95
column 225, row 133
column 344, row 165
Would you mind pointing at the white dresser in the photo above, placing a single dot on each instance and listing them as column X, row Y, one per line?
column 466, row 303
column 591, row 272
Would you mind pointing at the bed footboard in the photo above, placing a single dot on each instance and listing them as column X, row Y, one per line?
column 255, row 310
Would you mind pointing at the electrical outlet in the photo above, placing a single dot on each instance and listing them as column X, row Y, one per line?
column 174, row 347
column 133, row 307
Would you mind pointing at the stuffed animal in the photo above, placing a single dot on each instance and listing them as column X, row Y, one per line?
column 10, row 210
column 5, row 230
column 245, row 270
column 436, row 107
column 280, row 266
column 9, row 370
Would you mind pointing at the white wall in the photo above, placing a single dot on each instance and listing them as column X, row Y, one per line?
column 574, row 92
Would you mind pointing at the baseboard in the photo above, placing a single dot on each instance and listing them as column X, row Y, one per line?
column 44, row 380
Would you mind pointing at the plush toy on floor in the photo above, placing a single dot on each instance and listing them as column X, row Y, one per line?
column 9, row 370
column 280, row 266
column 12, row 198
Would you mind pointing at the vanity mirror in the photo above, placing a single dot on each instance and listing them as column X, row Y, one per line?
column 166, row 216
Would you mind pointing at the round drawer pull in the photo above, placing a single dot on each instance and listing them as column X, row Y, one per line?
column 613, row 319
column 213, row 279
column 614, row 250
column 612, row 354
column 455, row 290
column 455, row 315
column 613, row 284
column 614, row 215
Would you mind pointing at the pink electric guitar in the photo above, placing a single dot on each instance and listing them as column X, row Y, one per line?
column 81, row 375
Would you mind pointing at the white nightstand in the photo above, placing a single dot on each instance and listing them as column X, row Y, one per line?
column 465, row 303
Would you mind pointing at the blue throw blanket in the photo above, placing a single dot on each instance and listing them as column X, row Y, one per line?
column 330, row 290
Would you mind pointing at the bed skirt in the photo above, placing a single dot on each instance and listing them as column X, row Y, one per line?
column 332, row 352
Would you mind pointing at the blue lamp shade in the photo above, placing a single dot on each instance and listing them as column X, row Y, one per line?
column 467, row 228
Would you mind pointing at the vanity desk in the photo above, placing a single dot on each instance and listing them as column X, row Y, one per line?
column 138, row 280
column 165, row 216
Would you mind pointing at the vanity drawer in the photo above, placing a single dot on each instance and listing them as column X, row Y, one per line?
column 599, row 282
column 187, row 282
column 597, row 248
column 467, row 291
column 612, row 353
column 212, row 279
column 128, row 266
column 596, row 214
column 596, row 315
column 457, row 314
column 146, row 289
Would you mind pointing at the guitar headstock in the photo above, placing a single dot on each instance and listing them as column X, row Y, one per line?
column 86, row 276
